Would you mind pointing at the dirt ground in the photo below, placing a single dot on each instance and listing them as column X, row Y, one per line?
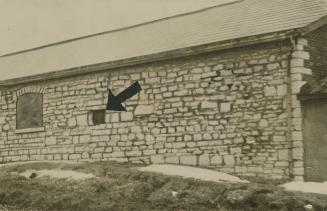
column 113, row 186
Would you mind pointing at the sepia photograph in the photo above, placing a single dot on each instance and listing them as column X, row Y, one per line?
column 163, row 105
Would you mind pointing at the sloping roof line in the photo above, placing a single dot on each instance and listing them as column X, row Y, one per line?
column 178, row 53
column 313, row 26
column 120, row 29
column 220, row 27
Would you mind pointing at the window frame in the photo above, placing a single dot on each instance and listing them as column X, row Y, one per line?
column 38, row 128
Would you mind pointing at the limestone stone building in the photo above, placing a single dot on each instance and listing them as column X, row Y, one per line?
column 221, row 87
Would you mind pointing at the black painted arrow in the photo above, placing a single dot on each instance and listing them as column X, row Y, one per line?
column 115, row 102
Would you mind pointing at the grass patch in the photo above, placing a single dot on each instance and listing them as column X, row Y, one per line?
column 122, row 187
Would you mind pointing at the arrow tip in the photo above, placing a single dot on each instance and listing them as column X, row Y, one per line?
column 115, row 107
column 113, row 103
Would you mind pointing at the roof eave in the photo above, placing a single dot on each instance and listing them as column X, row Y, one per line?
column 309, row 97
column 174, row 54
column 313, row 26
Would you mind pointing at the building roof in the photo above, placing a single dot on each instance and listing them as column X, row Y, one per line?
column 234, row 20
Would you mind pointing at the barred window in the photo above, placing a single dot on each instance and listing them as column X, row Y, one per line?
column 29, row 111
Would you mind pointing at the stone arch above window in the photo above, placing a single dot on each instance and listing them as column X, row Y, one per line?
column 29, row 111
column 30, row 89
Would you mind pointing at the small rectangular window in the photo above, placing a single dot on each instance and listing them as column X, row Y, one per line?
column 98, row 117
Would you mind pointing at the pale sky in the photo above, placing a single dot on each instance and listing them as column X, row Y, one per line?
column 27, row 24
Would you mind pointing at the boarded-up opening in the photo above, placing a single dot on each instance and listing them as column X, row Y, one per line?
column 98, row 117
column 29, row 111
column 315, row 139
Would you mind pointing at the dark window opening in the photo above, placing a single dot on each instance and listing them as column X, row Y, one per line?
column 98, row 117
column 29, row 111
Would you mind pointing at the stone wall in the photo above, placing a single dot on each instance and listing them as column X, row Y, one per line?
column 226, row 110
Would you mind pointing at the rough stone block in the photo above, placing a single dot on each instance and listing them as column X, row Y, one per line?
column 282, row 90
column 297, row 135
column 236, row 150
column 297, row 62
column 117, row 154
column 216, row 160
column 50, row 141
column 298, row 164
column 172, row 160
column 96, row 156
column 126, row 116
column 218, row 67
column 37, row 157
column 209, row 105
column 149, row 138
column 204, row 160
column 241, row 169
column 75, row 156
column 133, row 153
column 178, row 145
column 82, row 120
column 297, row 113
column 225, row 107
column 279, row 138
column 301, row 70
column 296, row 77
column 208, row 74
column 283, row 154
column 95, row 103
column 298, row 171
column 85, row 139
column 181, row 92
column 298, row 178
column 229, row 160
column 298, row 153
column 85, row 155
column 263, row 123
column 273, row 66
column 301, row 55
column 302, row 41
column 157, row 159
column 255, row 169
column 15, row 158
column 144, row 109
column 114, row 117
column 226, row 72
column 6, row 127
column 282, row 164
column 188, row 160
column 72, row 122
column 119, row 160
column 270, row 91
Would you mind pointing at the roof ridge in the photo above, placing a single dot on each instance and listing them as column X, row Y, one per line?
column 122, row 29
